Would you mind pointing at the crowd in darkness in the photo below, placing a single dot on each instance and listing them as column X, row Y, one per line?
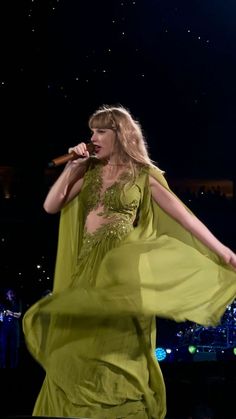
column 206, row 198
column 214, row 207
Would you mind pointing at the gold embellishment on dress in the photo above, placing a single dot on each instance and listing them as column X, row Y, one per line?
column 114, row 231
column 117, row 212
column 110, row 197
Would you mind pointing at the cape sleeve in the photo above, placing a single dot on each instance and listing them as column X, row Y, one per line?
column 71, row 226
column 69, row 237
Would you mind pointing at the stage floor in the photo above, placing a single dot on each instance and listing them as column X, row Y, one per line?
column 192, row 389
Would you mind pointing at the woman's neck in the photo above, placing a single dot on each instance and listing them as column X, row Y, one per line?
column 116, row 164
column 115, row 160
column 113, row 168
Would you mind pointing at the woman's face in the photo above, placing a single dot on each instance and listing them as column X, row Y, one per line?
column 103, row 140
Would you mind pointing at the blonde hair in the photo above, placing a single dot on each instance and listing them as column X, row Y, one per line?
column 130, row 142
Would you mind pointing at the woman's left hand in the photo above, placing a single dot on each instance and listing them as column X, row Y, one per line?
column 232, row 260
column 229, row 257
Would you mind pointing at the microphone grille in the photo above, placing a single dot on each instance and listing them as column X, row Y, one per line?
column 90, row 148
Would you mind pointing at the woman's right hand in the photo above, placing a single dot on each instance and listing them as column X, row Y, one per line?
column 80, row 149
column 70, row 181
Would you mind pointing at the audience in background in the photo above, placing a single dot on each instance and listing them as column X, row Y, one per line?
column 10, row 328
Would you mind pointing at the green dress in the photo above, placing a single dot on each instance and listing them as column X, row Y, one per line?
column 95, row 336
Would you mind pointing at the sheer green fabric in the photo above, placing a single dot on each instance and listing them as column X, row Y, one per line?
column 95, row 336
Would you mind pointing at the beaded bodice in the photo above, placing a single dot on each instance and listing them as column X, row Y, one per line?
column 114, row 208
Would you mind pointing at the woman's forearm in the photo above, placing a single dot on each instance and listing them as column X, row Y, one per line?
column 65, row 188
column 174, row 207
column 199, row 230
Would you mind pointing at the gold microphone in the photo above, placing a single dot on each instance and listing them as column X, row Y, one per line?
column 69, row 156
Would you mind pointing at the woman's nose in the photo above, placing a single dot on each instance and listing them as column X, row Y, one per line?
column 93, row 138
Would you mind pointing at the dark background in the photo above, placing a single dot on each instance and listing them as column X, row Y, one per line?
column 172, row 63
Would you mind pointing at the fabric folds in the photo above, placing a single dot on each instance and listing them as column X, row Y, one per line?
column 101, row 335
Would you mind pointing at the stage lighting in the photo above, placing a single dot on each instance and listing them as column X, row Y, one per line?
column 160, row 354
column 234, row 351
column 192, row 349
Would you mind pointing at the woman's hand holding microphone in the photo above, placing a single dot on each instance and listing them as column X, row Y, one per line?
column 82, row 150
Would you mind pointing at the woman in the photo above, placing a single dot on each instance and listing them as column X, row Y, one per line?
column 128, row 250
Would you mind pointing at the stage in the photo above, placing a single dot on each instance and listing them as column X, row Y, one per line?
column 195, row 390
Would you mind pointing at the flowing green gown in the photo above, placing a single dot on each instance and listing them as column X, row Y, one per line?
column 95, row 336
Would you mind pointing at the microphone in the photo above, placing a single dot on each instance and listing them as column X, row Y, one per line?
column 69, row 156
